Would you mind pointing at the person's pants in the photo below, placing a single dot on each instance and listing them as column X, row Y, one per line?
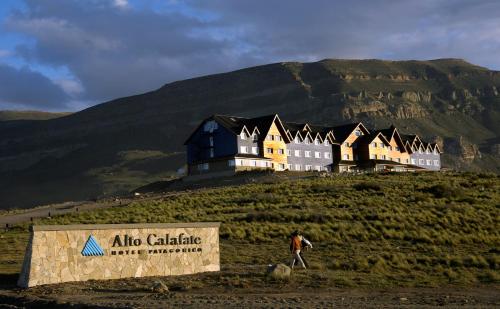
column 296, row 257
column 303, row 259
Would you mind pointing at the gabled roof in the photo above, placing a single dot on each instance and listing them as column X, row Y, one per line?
column 368, row 138
column 342, row 132
column 237, row 125
column 314, row 131
column 392, row 132
column 436, row 147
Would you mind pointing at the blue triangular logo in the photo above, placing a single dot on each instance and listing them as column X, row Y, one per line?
column 92, row 248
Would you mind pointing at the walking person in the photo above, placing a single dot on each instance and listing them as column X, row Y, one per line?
column 305, row 245
column 295, row 247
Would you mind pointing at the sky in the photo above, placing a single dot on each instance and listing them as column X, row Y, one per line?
column 67, row 55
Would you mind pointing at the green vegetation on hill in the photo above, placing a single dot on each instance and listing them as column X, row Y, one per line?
column 61, row 159
column 368, row 230
column 29, row 115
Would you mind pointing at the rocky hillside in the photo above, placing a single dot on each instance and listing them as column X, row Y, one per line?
column 118, row 145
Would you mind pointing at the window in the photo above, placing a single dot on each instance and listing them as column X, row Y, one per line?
column 243, row 135
column 407, row 161
column 382, row 145
column 212, row 153
column 255, row 137
column 297, row 153
column 428, row 162
column 297, row 140
column 421, row 161
column 308, row 167
column 281, row 151
column 243, row 149
column 373, row 157
column 390, row 147
column 397, row 148
column 326, row 142
column 255, row 150
column 328, row 155
column 269, row 137
column 436, row 162
column 269, row 150
column 318, row 168
column 253, row 163
column 289, row 167
column 231, row 163
column 297, row 167
column 281, row 166
column 383, row 157
column 307, row 141
column 203, row 167
column 398, row 160
column 307, row 154
column 278, row 138
column 413, row 161
column 420, row 151
column 317, row 155
column 211, row 141
column 435, row 151
column 316, row 142
column 239, row 162
column 288, row 152
column 346, row 157
column 346, row 144
column 374, row 145
column 358, row 133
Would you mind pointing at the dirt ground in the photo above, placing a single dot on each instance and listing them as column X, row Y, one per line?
column 249, row 288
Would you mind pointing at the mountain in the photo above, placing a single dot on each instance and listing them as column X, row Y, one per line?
column 7, row 115
column 119, row 145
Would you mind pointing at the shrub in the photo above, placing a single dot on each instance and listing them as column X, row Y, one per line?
column 368, row 186
column 443, row 191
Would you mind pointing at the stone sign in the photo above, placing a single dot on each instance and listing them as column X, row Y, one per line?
column 62, row 253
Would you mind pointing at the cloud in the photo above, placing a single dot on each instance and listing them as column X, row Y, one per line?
column 122, row 4
column 24, row 88
column 116, row 48
column 4, row 53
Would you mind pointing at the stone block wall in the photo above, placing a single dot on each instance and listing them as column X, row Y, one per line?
column 55, row 253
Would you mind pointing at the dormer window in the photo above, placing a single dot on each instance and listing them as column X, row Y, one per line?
column 358, row 133
column 435, row 151
column 326, row 143
column 297, row 140
column 306, row 141
column 255, row 137
column 243, row 135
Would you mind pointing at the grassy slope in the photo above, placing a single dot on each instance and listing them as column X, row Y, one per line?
column 29, row 115
column 372, row 230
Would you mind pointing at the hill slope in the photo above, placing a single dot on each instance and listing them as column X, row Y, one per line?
column 118, row 145
column 9, row 115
